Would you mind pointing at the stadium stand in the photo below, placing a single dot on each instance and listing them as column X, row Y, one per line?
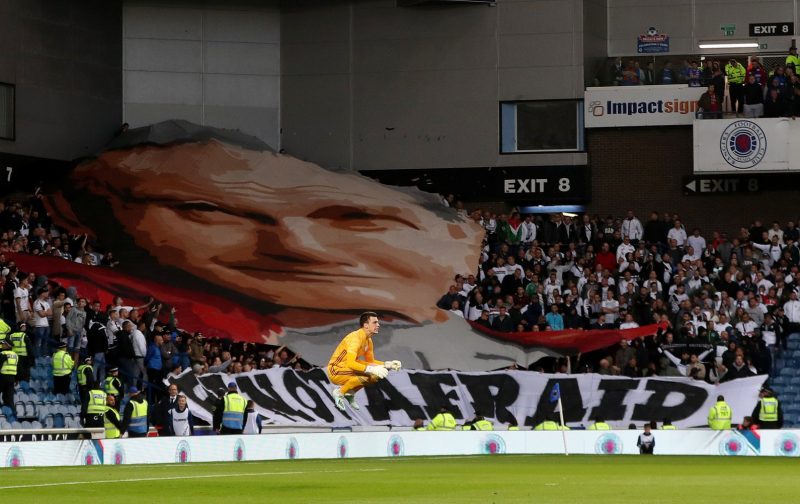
column 611, row 272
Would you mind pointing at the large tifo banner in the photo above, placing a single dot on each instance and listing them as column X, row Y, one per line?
column 612, row 107
column 746, row 145
column 232, row 237
column 288, row 397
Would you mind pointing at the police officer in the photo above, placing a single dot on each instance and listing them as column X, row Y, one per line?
column 719, row 416
column 62, row 369
column 94, row 412
column 793, row 60
column 547, row 425
column 599, row 424
column 111, row 420
column 134, row 421
column 550, row 424
column 768, row 411
column 8, row 372
column 86, row 381
column 736, row 74
column 5, row 329
column 443, row 421
column 480, row 423
column 229, row 413
column 112, row 385
column 22, row 346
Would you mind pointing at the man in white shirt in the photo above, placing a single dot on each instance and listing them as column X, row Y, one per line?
column 776, row 231
column 528, row 230
column 792, row 310
column 756, row 310
column 500, row 270
column 610, row 307
column 139, row 349
column 697, row 242
column 22, row 300
column 42, row 314
column 772, row 251
column 624, row 248
column 512, row 266
column 691, row 254
column 629, row 322
column 678, row 234
column 723, row 324
column 632, row 228
column 112, row 327
column 627, row 278
column 455, row 308
column 551, row 284
column 747, row 327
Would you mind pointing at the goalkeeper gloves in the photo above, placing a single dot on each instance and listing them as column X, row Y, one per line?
column 377, row 371
column 392, row 365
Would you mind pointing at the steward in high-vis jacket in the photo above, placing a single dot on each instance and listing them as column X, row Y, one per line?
column 134, row 421
column 8, row 373
column 229, row 412
column 443, row 421
column 22, row 346
column 719, row 416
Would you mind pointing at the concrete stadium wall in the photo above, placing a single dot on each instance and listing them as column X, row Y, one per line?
column 65, row 60
column 688, row 22
column 390, row 444
column 595, row 38
column 214, row 63
column 367, row 85
column 643, row 169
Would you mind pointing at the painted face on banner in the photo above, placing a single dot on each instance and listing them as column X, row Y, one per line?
column 280, row 230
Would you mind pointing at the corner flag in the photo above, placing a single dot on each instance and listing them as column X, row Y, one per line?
column 555, row 393
column 555, row 396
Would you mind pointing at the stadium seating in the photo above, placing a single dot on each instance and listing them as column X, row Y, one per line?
column 786, row 381
column 35, row 405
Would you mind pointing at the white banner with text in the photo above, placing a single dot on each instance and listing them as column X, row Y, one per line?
column 620, row 106
column 287, row 397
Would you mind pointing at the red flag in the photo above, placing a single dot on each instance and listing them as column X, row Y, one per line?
column 197, row 310
column 571, row 340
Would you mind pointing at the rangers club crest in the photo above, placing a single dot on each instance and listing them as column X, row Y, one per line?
column 743, row 144
column 342, row 447
column 183, row 452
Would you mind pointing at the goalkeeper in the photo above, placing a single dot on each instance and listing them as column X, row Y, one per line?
column 353, row 364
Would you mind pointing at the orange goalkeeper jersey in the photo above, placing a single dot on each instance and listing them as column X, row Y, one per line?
column 353, row 353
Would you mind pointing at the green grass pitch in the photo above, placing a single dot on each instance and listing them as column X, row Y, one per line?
column 479, row 479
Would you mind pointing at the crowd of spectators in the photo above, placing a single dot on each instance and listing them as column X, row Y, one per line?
column 728, row 302
column 753, row 89
column 142, row 339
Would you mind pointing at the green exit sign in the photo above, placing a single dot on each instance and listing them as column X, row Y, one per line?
column 728, row 29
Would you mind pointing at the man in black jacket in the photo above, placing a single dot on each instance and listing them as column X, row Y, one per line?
column 654, row 231
column 96, row 347
column 739, row 369
column 502, row 322
column 159, row 415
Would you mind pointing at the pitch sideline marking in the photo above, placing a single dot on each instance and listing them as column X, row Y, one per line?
column 170, row 478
